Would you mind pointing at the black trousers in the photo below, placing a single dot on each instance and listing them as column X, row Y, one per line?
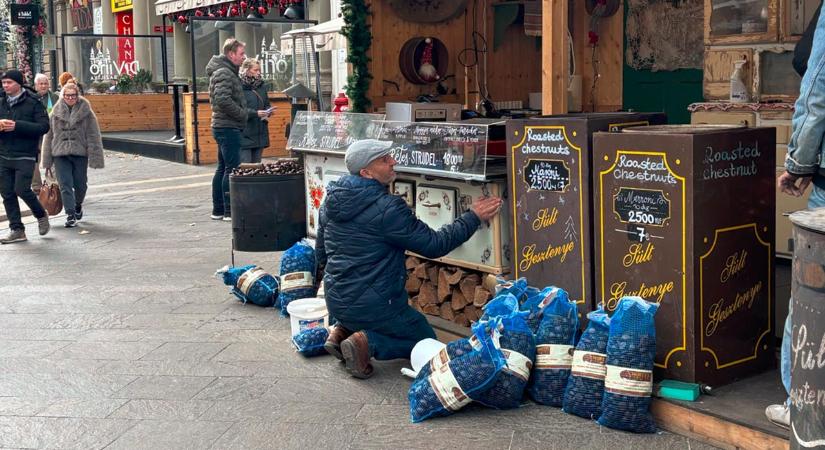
column 16, row 182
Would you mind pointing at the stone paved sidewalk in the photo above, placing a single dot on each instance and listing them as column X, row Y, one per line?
column 115, row 335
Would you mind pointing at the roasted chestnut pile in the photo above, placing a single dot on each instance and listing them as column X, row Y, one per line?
column 279, row 167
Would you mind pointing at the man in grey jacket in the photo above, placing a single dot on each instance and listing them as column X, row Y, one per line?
column 228, row 119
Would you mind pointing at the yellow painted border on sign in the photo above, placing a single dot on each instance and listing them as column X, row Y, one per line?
column 702, row 296
column 121, row 5
column 663, row 155
column 515, row 200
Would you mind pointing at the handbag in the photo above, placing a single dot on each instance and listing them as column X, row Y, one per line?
column 50, row 195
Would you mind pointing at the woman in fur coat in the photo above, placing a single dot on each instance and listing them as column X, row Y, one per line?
column 73, row 144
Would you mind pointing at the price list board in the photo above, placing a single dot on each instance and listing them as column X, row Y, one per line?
column 549, row 173
column 446, row 150
column 685, row 218
column 328, row 132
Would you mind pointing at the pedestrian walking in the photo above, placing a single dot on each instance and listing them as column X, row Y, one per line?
column 363, row 234
column 73, row 145
column 66, row 78
column 23, row 121
column 256, row 134
column 48, row 99
column 228, row 119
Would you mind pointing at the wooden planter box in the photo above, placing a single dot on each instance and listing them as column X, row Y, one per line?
column 132, row 112
column 209, row 148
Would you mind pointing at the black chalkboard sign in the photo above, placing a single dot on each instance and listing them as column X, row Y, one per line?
column 546, row 175
column 451, row 150
column 331, row 132
column 641, row 206
column 26, row 15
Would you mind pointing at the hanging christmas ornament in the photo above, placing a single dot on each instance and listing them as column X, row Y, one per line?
column 198, row 13
column 243, row 6
column 234, row 11
column 181, row 19
column 427, row 70
column 262, row 10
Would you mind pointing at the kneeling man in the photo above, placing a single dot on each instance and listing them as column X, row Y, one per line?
column 363, row 233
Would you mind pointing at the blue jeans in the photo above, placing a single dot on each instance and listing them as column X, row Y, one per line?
column 816, row 200
column 229, row 157
column 396, row 337
column 251, row 155
column 71, row 173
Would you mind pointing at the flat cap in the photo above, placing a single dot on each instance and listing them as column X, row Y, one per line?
column 361, row 153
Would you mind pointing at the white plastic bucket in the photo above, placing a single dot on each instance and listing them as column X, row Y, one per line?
column 423, row 352
column 307, row 313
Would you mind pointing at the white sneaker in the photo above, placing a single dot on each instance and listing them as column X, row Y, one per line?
column 779, row 415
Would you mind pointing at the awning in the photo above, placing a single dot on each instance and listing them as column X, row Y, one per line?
column 172, row 6
column 325, row 36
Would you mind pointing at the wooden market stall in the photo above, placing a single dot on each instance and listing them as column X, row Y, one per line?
column 762, row 34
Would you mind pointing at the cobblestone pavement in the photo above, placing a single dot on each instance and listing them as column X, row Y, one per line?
column 115, row 335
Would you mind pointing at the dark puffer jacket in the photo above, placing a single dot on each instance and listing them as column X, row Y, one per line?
column 31, row 122
column 362, row 237
column 256, row 133
column 226, row 94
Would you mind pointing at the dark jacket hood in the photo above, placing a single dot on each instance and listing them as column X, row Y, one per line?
column 217, row 62
column 350, row 195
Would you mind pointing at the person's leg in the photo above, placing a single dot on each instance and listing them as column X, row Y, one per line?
column 785, row 351
column 231, row 158
column 395, row 338
column 7, row 175
column 64, row 172
column 257, row 153
column 246, row 155
column 217, row 179
column 780, row 414
column 23, row 188
column 817, row 198
column 80, row 168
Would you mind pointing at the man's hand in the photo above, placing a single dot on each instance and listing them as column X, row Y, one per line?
column 6, row 125
column 486, row 208
column 787, row 183
column 262, row 113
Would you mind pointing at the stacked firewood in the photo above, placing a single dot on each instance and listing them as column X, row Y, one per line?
column 449, row 292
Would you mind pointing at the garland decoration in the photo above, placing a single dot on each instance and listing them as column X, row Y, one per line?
column 26, row 41
column 357, row 31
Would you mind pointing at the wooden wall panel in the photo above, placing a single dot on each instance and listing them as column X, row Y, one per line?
column 209, row 148
column 132, row 112
column 718, row 67
column 609, row 54
column 513, row 70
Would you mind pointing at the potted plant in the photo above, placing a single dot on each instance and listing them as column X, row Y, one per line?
column 124, row 84
column 141, row 80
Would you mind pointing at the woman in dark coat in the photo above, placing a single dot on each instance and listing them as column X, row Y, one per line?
column 255, row 136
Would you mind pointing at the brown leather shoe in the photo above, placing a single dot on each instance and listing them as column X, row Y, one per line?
column 333, row 343
column 356, row 352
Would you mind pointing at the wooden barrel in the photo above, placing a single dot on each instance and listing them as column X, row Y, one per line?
column 409, row 59
column 808, row 337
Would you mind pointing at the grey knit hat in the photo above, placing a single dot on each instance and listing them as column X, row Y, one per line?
column 361, row 153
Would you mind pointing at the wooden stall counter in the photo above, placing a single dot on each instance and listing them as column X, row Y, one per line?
column 132, row 112
column 209, row 148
